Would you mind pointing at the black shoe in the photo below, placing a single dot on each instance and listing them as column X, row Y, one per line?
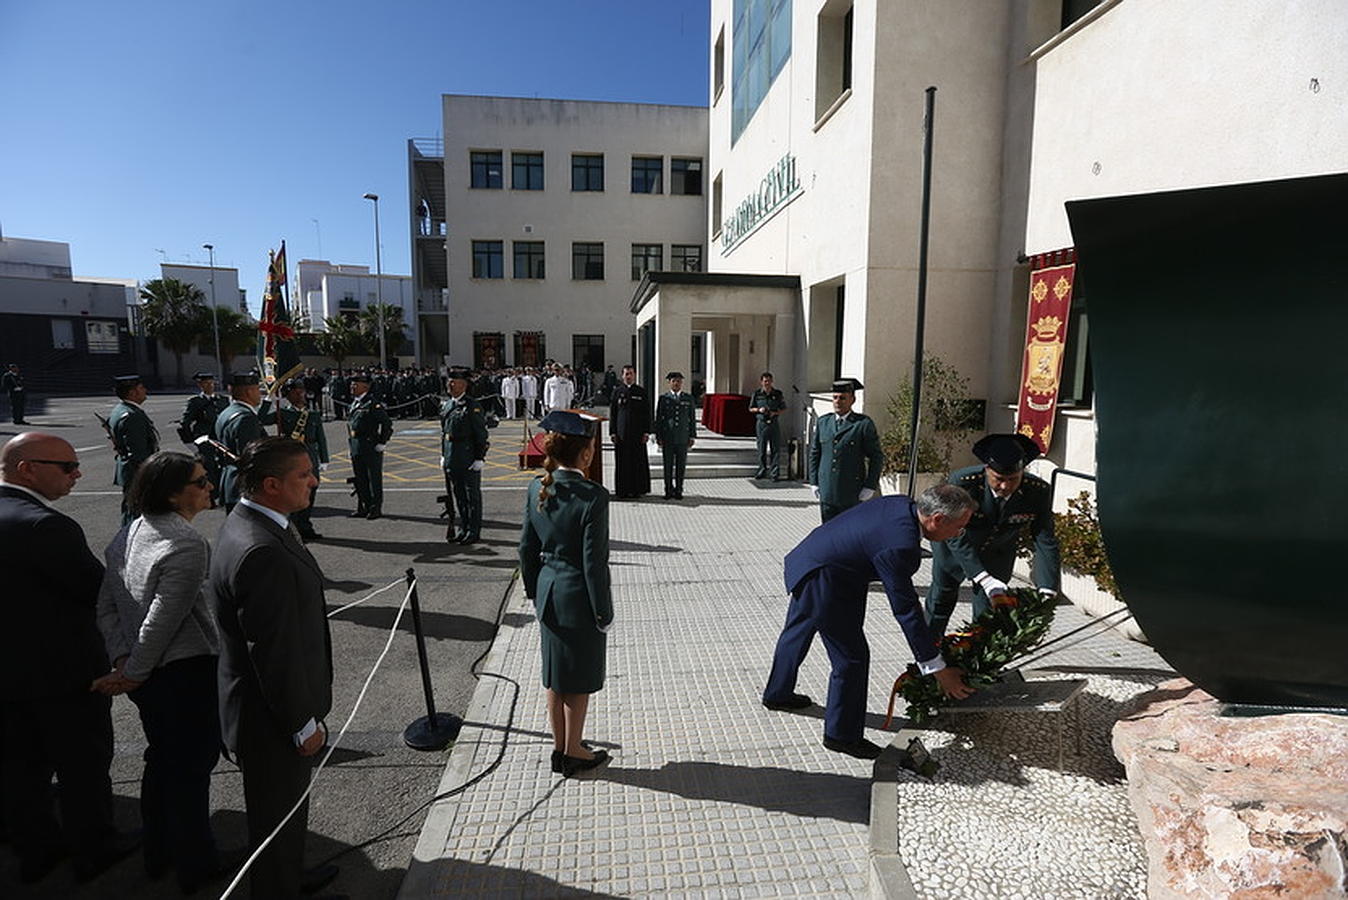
column 226, row 864
column 360, row 513
column 458, row 537
column 668, row 495
column 470, row 539
column 315, row 879
column 860, row 748
column 759, row 475
column 794, row 701
column 575, row 765
column 34, row 869
column 557, row 757
column 373, row 514
column 113, row 850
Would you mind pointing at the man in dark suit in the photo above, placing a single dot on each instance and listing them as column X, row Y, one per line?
column 828, row 574
column 1008, row 500
column 845, row 456
column 54, row 723
column 629, row 430
column 275, row 655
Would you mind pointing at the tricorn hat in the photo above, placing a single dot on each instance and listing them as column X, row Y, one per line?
column 204, row 376
column 1006, row 454
column 360, row 378
column 562, row 422
column 126, row 381
column 847, row 386
column 460, row 372
column 243, row 379
column 672, row 375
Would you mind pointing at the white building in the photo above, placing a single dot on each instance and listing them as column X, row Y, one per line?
column 225, row 292
column 534, row 220
column 324, row 290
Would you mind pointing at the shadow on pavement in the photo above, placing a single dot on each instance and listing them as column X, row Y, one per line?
column 481, row 880
column 434, row 624
column 635, row 547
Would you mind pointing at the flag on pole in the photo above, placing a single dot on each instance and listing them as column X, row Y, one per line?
column 277, row 357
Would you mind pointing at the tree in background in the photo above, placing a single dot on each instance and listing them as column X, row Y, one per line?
column 341, row 339
column 948, row 418
column 175, row 314
column 238, row 337
column 394, row 327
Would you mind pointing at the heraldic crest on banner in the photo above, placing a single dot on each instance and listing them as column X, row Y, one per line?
column 1045, row 348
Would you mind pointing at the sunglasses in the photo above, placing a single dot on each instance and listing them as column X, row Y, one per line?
column 68, row 466
column 203, row 482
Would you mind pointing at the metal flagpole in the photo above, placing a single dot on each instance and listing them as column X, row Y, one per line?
column 921, row 324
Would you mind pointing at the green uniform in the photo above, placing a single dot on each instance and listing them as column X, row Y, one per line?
column 198, row 419
column 340, row 388
column 844, row 458
column 368, row 428
column 675, row 428
column 768, row 430
column 237, row 426
column 564, row 563
column 306, row 425
column 463, row 441
column 989, row 543
column 12, row 383
column 134, row 439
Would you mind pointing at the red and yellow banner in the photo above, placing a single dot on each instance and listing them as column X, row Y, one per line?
column 1045, row 343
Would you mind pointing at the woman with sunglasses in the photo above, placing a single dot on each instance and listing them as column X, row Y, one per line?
column 161, row 635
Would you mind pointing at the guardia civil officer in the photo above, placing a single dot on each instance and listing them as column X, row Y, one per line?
column 134, row 437
column 767, row 405
column 340, row 386
column 1008, row 499
column 675, row 432
column 368, row 429
column 463, row 448
column 845, row 456
column 12, row 383
column 303, row 422
column 237, row 426
column 198, row 420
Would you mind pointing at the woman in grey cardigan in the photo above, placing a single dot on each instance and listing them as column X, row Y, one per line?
column 161, row 635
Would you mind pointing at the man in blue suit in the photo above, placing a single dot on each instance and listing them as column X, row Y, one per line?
column 828, row 574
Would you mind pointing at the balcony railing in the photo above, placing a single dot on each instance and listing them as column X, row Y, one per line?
column 430, row 148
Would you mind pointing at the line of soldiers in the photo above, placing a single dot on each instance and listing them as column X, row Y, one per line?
column 408, row 393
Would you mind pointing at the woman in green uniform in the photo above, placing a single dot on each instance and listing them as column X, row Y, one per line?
column 564, row 560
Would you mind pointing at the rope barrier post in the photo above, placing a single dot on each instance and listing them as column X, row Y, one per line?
column 433, row 731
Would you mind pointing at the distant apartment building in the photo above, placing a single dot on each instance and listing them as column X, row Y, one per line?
column 324, row 290
column 534, row 220
column 219, row 285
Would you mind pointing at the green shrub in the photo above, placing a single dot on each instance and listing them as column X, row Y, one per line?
column 949, row 418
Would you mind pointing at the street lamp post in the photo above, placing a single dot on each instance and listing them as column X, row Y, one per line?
column 215, row 315
column 378, row 281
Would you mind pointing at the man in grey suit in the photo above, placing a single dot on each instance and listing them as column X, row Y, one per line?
column 275, row 657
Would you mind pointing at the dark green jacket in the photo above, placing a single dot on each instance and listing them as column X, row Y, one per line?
column 770, row 400
column 368, row 425
column 310, row 432
column 199, row 416
column 845, row 457
column 675, row 419
column 236, row 427
column 564, row 551
column 989, row 536
column 463, row 433
column 134, row 439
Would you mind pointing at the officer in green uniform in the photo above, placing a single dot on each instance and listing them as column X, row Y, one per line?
column 463, row 435
column 12, row 383
column 340, row 386
column 767, row 405
column 237, row 426
column 300, row 423
column 368, row 430
column 845, row 457
column 675, row 431
column 198, row 420
column 134, row 437
column 1007, row 500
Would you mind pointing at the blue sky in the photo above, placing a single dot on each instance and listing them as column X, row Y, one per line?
column 137, row 126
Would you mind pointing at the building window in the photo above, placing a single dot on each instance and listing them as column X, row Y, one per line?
column 1075, row 9
column 587, row 261
column 1076, row 389
column 531, row 348
column 840, row 318
column 647, row 174
column 485, row 166
column 647, row 258
column 528, row 259
column 685, row 257
column 685, row 176
column 487, row 259
column 761, row 42
column 348, row 301
column 588, row 350
column 716, row 206
column 102, row 337
column 833, row 55
column 62, row 334
column 526, row 171
column 718, row 64
column 587, row 171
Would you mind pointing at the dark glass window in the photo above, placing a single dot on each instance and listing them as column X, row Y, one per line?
column 588, row 349
column 528, row 259
column 526, row 171
column 647, row 174
column 587, row 171
column 587, row 261
column 647, row 258
column 685, row 176
column 486, row 169
column 487, row 259
column 685, row 257
column 847, row 50
column 761, row 45
column 1075, row 9
column 1076, row 389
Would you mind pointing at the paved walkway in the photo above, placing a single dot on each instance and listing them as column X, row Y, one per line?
column 708, row 794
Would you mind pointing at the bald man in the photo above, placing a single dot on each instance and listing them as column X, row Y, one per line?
column 53, row 722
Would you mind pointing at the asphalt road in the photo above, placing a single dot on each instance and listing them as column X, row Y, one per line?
column 373, row 780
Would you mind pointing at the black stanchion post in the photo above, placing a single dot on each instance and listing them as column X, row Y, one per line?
column 433, row 731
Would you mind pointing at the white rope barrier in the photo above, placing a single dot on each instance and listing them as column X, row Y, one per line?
column 370, row 596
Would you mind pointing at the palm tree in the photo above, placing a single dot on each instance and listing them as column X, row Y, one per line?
column 394, row 326
column 340, row 340
column 238, row 336
column 174, row 313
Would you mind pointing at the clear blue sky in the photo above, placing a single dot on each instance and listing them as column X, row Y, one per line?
column 127, row 128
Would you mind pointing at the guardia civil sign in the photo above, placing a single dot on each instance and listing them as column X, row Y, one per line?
column 778, row 188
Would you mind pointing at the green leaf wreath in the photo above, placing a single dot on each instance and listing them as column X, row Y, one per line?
column 1014, row 624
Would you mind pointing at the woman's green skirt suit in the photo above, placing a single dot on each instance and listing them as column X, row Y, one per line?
column 564, row 560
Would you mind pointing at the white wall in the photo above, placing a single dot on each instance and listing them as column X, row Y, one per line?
column 226, row 282
column 28, row 258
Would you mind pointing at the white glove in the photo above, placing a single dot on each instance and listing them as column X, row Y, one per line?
column 379, row 448
column 1047, row 592
column 814, row 489
column 442, row 462
column 476, row 466
column 323, row 467
column 866, row 494
column 991, row 586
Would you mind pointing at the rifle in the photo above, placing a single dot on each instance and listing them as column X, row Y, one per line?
column 107, row 429
column 207, row 441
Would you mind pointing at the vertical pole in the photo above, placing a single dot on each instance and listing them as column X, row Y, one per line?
column 421, row 646
column 921, row 323
column 379, row 287
column 215, row 320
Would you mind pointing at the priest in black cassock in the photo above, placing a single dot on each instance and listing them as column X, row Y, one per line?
column 630, row 427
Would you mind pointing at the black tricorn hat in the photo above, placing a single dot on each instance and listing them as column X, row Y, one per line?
column 463, row 373
column 243, row 379
column 562, row 422
column 360, row 378
column 204, row 376
column 1006, row 454
column 672, row 375
column 847, row 386
column 126, row 381
column 291, row 385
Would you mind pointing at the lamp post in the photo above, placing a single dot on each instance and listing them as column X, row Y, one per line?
column 215, row 316
column 378, row 281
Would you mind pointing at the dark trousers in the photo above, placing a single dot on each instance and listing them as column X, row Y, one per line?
column 676, row 461
column 18, row 403
column 464, row 487
column 368, row 469
column 834, row 606
column 179, row 712
column 946, row 578
column 69, row 736
column 769, row 436
column 829, row 510
column 274, row 777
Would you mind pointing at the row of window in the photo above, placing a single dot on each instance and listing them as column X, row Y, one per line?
column 487, row 172
column 587, row 259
